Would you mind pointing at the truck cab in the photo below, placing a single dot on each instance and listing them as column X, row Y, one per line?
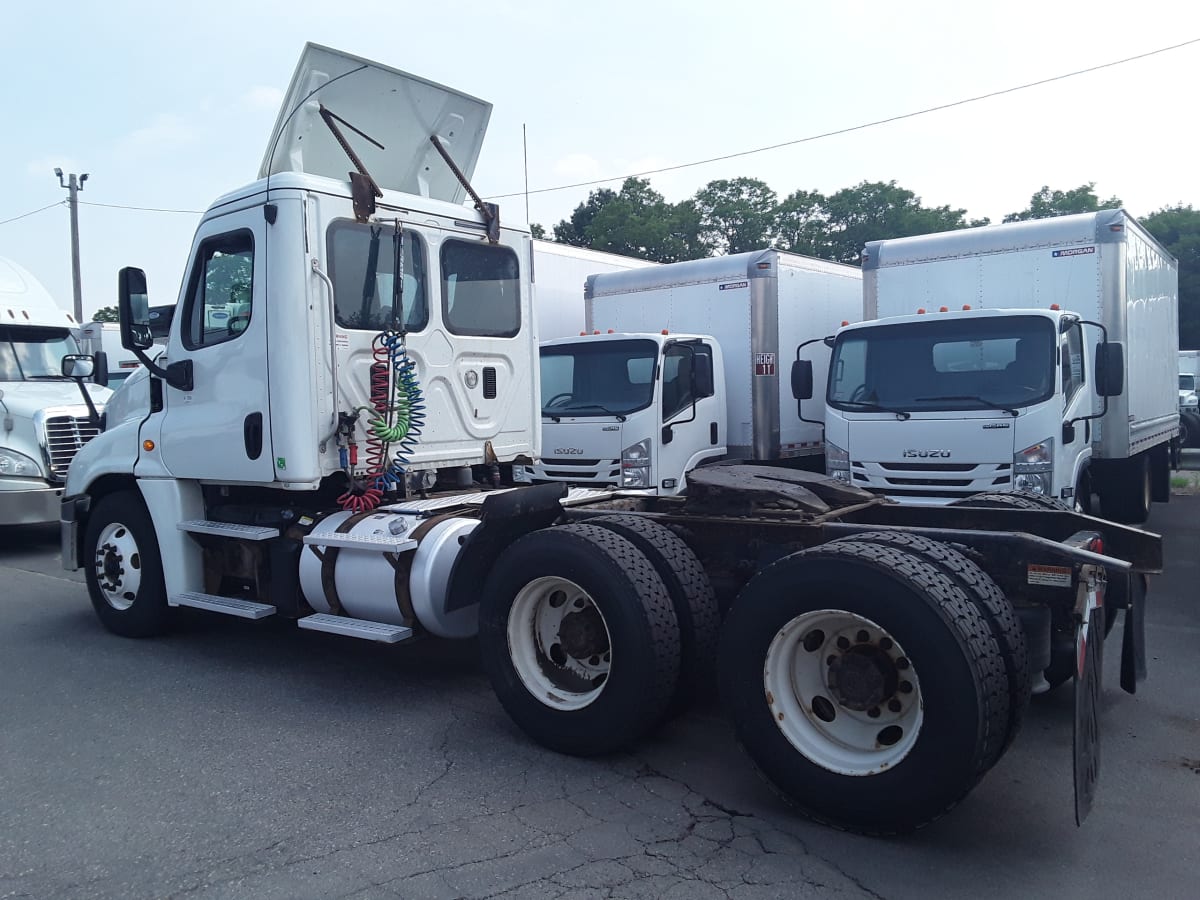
column 45, row 421
column 932, row 408
column 637, row 411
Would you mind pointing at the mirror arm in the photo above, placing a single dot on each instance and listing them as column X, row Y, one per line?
column 177, row 374
column 1104, row 399
column 800, row 403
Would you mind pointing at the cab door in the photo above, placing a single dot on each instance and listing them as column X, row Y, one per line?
column 219, row 430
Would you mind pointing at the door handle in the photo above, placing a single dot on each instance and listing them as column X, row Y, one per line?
column 252, row 433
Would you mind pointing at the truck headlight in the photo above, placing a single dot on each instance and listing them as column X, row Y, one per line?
column 1033, row 466
column 18, row 464
column 837, row 462
column 635, row 466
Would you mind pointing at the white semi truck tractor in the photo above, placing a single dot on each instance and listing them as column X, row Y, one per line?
column 316, row 454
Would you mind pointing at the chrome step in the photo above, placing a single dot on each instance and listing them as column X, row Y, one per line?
column 230, row 606
column 229, row 529
column 358, row 628
column 396, row 543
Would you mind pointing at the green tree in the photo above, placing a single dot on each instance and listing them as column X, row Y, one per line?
column 106, row 314
column 800, row 225
column 537, row 231
column 636, row 221
column 1046, row 203
column 877, row 210
column 736, row 215
column 1178, row 229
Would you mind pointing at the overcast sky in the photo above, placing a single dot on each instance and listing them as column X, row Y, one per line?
column 170, row 104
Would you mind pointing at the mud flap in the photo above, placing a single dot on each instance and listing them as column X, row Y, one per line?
column 1089, row 648
column 1133, row 642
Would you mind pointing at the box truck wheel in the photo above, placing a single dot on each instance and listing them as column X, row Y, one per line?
column 123, row 568
column 865, row 684
column 1127, row 490
column 991, row 603
column 691, row 595
column 579, row 639
column 1189, row 430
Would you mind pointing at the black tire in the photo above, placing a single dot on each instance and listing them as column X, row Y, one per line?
column 1127, row 496
column 642, row 631
column 963, row 687
column 991, row 602
column 1189, row 430
column 123, row 568
column 1083, row 493
column 1012, row 500
column 691, row 596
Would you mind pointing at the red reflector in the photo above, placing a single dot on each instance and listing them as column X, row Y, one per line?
column 921, row 311
column 1055, row 306
column 664, row 331
column 966, row 306
column 944, row 309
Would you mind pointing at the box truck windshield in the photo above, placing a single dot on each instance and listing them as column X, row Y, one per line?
column 34, row 354
column 1187, row 382
column 612, row 378
column 1001, row 363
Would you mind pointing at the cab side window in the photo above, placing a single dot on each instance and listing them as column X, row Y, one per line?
column 1072, row 362
column 687, row 377
column 220, row 295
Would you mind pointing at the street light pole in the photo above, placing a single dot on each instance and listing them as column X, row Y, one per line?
column 73, row 187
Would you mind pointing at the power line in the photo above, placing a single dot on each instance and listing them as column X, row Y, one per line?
column 194, row 212
column 33, row 212
column 888, row 120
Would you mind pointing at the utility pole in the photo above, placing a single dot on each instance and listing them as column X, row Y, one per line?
column 74, row 186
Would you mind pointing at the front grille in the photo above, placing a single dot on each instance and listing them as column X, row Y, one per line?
column 64, row 436
column 930, row 479
column 570, row 461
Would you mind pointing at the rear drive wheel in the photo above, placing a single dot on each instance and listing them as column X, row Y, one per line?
column 691, row 596
column 579, row 639
column 991, row 603
column 865, row 684
column 122, row 567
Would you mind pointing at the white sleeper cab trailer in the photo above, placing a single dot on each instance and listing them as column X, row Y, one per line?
column 559, row 274
column 679, row 365
column 45, row 418
column 314, row 456
column 1034, row 356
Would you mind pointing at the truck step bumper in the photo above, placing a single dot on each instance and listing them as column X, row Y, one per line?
column 357, row 628
column 229, row 529
column 230, row 606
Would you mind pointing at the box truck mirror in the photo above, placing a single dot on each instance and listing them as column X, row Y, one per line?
column 668, row 434
column 1110, row 369
column 1068, row 435
column 100, row 373
column 802, row 379
column 134, row 305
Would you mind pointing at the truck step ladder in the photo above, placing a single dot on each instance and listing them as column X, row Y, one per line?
column 395, row 543
column 229, row 529
column 230, row 606
column 358, row 628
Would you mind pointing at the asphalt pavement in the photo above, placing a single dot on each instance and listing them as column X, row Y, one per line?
column 239, row 759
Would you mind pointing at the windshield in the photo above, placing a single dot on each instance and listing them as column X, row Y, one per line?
column 29, row 354
column 1187, row 382
column 968, row 363
column 597, row 379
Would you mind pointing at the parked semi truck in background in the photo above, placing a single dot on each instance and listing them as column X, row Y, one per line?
column 303, row 459
column 1189, row 400
column 45, row 420
column 1033, row 356
column 680, row 366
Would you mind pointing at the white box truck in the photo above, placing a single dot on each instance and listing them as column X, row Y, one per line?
column 45, row 419
column 1189, row 400
column 680, row 366
column 1034, row 356
column 105, row 337
column 559, row 274
column 873, row 674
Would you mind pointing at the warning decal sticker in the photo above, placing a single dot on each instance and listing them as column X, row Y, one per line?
column 1051, row 576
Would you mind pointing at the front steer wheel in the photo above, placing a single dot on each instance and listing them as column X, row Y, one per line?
column 865, row 684
column 579, row 639
column 123, row 568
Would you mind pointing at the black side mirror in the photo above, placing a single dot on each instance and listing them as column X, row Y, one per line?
column 78, row 366
column 100, row 375
column 668, row 434
column 802, row 379
column 1110, row 369
column 1068, row 434
column 134, row 304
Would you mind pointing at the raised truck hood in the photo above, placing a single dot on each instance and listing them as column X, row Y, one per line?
column 924, row 457
column 398, row 110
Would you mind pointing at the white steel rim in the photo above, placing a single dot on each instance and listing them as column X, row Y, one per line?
column 559, row 643
column 118, row 566
column 843, row 692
